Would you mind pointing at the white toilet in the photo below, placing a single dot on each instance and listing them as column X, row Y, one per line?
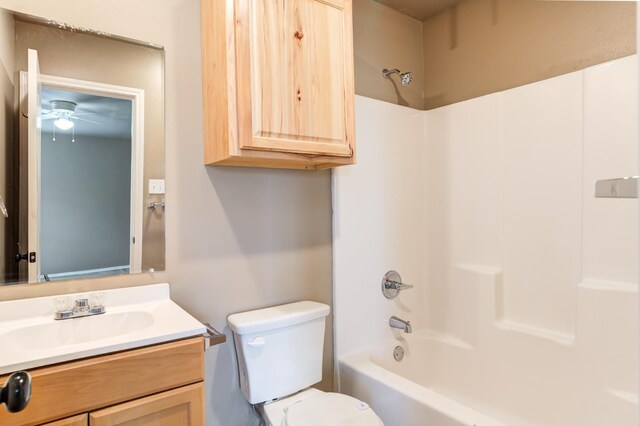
column 280, row 357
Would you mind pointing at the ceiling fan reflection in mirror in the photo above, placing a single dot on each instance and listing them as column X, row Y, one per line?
column 63, row 112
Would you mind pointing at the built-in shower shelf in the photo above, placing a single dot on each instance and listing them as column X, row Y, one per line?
column 625, row 187
column 539, row 332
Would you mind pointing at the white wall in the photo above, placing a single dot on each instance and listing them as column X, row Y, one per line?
column 522, row 165
column 517, row 258
column 237, row 239
column 538, row 275
column 378, row 223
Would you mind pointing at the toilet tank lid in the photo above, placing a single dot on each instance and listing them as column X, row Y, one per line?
column 276, row 317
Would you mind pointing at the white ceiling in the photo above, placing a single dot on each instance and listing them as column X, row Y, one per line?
column 420, row 9
column 113, row 115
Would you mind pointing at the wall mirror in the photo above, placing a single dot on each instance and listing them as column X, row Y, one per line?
column 81, row 152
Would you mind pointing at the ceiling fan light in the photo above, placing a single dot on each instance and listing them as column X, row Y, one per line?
column 63, row 123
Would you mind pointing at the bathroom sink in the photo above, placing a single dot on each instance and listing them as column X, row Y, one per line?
column 135, row 316
column 71, row 332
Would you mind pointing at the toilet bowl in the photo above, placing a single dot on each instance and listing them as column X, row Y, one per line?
column 312, row 407
column 279, row 352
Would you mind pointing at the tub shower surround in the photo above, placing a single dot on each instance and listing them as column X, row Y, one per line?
column 524, row 310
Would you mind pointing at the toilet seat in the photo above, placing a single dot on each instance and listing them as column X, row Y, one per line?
column 333, row 409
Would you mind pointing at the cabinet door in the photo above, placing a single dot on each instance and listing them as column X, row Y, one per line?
column 79, row 420
column 179, row 407
column 62, row 390
column 295, row 76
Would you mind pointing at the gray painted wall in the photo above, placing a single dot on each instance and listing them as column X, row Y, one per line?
column 237, row 238
column 85, row 195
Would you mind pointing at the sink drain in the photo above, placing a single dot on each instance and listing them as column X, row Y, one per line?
column 398, row 353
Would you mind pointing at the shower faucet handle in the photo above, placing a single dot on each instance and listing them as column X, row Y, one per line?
column 395, row 285
column 392, row 285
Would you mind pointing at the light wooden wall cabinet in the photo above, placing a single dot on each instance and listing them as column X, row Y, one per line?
column 158, row 385
column 278, row 85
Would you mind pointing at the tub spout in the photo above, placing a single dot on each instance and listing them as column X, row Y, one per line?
column 396, row 322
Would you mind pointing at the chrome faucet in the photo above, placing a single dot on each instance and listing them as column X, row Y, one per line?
column 395, row 322
column 392, row 285
column 81, row 307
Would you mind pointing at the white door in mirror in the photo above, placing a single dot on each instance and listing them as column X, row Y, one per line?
column 33, row 163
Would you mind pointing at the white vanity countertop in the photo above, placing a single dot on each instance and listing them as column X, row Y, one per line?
column 135, row 317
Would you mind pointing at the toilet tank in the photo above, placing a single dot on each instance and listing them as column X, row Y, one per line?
column 279, row 349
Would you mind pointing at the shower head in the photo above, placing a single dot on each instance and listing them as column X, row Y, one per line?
column 405, row 77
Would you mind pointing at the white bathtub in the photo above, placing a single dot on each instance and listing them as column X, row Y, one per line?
column 443, row 381
column 394, row 391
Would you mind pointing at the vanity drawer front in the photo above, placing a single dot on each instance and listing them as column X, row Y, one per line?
column 79, row 420
column 182, row 406
column 80, row 386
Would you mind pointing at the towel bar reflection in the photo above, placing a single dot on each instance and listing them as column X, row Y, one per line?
column 3, row 208
column 625, row 187
column 155, row 204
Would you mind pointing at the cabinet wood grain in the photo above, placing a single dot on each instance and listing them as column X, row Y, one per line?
column 76, row 387
column 278, row 85
column 79, row 420
column 178, row 407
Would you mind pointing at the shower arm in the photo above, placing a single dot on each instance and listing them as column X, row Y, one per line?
column 405, row 77
column 387, row 73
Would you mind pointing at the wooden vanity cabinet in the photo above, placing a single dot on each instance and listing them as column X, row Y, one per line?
column 182, row 406
column 278, row 83
column 159, row 385
column 79, row 420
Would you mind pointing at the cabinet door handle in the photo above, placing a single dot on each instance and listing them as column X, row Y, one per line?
column 16, row 392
